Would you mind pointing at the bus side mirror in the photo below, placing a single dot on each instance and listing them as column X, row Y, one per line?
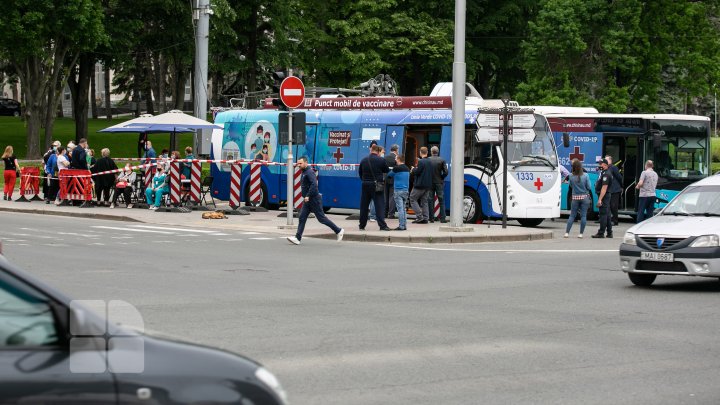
column 566, row 139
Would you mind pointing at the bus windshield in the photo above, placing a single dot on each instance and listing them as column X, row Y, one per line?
column 683, row 152
column 539, row 152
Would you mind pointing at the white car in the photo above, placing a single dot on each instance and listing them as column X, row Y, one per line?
column 681, row 240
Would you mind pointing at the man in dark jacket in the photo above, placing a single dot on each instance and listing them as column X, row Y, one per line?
column 371, row 171
column 389, row 181
column 615, row 189
column 79, row 156
column 439, row 172
column 423, row 174
column 312, row 202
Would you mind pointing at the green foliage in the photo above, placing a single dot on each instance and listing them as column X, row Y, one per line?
column 618, row 57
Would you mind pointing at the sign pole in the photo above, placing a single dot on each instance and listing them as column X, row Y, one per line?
column 457, row 161
column 505, row 160
column 290, row 172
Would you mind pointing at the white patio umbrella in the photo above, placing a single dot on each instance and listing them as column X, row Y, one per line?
column 173, row 119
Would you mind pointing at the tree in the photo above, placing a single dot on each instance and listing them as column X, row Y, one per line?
column 617, row 55
column 50, row 31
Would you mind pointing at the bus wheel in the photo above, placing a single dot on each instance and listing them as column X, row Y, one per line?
column 263, row 195
column 530, row 222
column 472, row 211
column 642, row 280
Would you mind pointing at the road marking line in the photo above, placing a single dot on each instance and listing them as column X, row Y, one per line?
column 501, row 250
column 83, row 235
column 249, row 233
column 220, row 234
column 117, row 228
column 261, row 238
column 15, row 240
column 163, row 228
column 232, row 240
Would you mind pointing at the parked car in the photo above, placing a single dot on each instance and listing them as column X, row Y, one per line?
column 9, row 107
column 683, row 239
column 49, row 347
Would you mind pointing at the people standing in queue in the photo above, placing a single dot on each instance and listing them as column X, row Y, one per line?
column 51, row 173
column 391, row 160
column 11, row 173
column 79, row 156
column 646, row 185
column 371, row 170
column 615, row 189
column 312, row 202
column 62, row 163
column 47, row 171
column 421, row 188
column 579, row 183
column 159, row 187
column 401, row 184
column 104, row 182
column 602, row 188
column 439, row 172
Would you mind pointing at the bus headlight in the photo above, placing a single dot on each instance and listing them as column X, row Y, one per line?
column 629, row 238
column 706, row 241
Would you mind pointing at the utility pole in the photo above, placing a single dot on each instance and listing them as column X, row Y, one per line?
column 457, row 162
column 201, row 17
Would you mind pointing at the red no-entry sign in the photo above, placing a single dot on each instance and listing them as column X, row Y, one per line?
column 292, row 92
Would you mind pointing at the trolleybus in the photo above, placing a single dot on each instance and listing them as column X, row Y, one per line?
column 339, row 132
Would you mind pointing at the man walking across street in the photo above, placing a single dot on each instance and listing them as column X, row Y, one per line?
column 401, row 176
column 615, row 189
column 646, row 185
column 312, row 202
column 389, row 189
column 421, row 188
column 439, row 172
column 602, row 188
column 371, row 172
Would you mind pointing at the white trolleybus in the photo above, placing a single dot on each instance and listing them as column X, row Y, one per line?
column 339, row 132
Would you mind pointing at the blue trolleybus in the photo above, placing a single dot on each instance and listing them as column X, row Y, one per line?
column 678, row 145
column 340, row 131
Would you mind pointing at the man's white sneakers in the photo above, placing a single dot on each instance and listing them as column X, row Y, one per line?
column 293, row 240
column 340, row 235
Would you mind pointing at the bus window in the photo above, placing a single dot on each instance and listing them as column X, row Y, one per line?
column 479, row 153
column 681, row 158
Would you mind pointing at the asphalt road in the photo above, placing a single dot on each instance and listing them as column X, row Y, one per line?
column 545, row 322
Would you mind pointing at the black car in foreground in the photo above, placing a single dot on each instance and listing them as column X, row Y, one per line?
column 9, row 107
column 54, row 351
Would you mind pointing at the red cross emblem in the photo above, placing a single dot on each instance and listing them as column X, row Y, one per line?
column 338, row 155
column 538, row 183
column 577, row 155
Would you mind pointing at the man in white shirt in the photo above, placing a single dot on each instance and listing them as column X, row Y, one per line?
column 646, row 185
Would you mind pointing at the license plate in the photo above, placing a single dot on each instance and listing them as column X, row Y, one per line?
column 657, row 256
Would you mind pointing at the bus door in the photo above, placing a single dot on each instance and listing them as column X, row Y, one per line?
column 394, row 135
column 624, row 151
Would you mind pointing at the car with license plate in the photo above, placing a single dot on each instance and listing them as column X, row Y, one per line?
column 53, row 350
column 683, row 239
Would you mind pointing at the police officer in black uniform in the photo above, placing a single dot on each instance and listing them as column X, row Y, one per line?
column 602, row 189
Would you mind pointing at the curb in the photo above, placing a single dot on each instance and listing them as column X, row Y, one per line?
column 437, row 239
column 70, row 214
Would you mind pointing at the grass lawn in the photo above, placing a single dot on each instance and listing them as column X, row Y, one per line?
column 13, row 132
column 715, row 153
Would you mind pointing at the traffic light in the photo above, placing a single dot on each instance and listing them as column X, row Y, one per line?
column 279, row 104
column 278, row 78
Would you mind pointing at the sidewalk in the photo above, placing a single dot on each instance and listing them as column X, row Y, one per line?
column 269, row 222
